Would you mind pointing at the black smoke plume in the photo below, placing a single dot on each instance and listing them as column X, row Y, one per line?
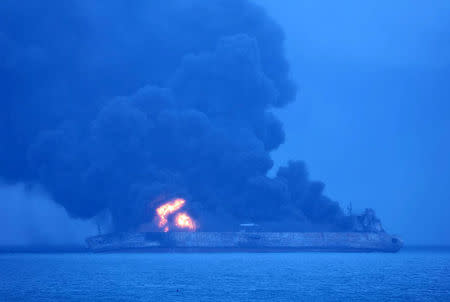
column 112, row 105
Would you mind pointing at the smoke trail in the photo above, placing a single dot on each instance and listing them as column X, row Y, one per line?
column 29, row 217
column 129, row 102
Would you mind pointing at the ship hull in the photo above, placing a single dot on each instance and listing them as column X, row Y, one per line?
column 245, row 242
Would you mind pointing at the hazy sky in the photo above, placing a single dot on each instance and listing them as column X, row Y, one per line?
column 372, row 116
column 371, row 119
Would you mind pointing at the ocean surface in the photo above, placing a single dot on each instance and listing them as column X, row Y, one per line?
column 410, row 275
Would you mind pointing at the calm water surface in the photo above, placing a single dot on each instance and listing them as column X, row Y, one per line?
column 411, row 275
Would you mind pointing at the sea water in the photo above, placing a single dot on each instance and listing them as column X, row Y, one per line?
column 410, row 275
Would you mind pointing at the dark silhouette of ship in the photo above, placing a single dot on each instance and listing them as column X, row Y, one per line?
column 245, row 241
column 367, row 236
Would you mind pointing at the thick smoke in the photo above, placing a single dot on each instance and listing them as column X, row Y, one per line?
column 114, row 105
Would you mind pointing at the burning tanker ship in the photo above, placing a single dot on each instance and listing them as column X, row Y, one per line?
column 369, row 236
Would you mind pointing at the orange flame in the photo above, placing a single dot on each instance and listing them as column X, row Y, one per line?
column 167, row 209
column 184, row 221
